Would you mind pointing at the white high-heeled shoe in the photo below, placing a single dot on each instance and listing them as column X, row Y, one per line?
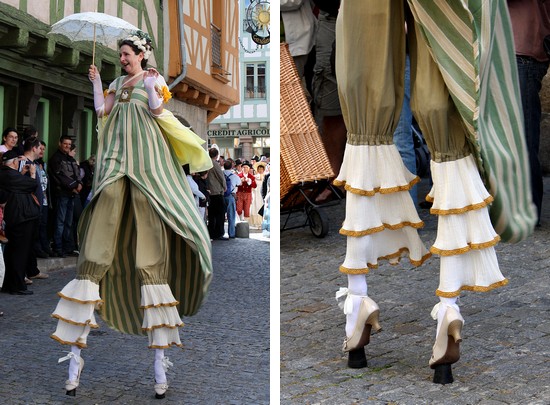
column 367, row 319
column 446, row 349
column 70, row 385
column 161, row 388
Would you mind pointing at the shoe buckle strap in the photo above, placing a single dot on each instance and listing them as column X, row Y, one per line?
column 436, row 308
column 70, row 355
column 166, row 363
column 435, row 311
column 347, row 304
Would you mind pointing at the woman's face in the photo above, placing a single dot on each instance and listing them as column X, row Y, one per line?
column 130, row 62
column 10, row 140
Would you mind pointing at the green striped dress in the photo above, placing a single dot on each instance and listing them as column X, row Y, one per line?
column 133, row 146
column 465, row 97
column 472, row 43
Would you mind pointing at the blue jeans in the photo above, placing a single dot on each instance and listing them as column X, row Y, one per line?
column 531, row 72
column 62, row 236
column 402, row 137
column 231, row 213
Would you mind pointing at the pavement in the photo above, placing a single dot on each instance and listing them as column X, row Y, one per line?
column 225, row 359
column 505, row 353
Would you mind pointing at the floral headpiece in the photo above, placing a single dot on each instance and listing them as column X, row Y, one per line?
column 142, row 41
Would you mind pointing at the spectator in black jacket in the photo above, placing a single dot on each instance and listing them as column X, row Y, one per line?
column 32, row 150
column 66, row 185
column 20, row 214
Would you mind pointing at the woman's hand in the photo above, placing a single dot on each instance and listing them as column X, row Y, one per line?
column 99, row 98
column 150, row 78
column 93, row 74
column 155, row 101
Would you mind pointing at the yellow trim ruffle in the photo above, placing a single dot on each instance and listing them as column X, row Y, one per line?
column 455, row 211
column 370, row 193
column 398, row 254
column 380, row 228
column 165, row 347
column 418, row 263
column 471, row 288
column 364, row 270
column 89, row 323
column 63, row 342
column 462, row 250
column 169, row 304
column 164, row 325
column 98, row 303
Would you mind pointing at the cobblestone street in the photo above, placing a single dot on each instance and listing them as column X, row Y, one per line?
column 505, row 353
column 225, row 359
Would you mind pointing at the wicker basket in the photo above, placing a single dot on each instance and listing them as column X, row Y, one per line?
column 303, row 156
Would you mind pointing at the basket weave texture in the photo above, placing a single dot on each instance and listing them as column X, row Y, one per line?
column 303, row 156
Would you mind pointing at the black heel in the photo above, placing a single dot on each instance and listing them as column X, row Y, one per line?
column 160, row 396
column 443, row 374
column 357, row 358
column 71, row 393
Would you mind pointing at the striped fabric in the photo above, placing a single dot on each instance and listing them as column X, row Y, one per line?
column 131, row 145
column 472, row 43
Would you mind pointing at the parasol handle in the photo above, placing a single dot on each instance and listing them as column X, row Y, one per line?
column 93, row 49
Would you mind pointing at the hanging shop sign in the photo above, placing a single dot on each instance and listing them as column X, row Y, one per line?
column 225, row 133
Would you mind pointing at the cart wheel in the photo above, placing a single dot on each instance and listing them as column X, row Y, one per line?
column 318, row 223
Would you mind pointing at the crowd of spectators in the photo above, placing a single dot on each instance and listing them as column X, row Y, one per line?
column 232, row 191
column 40, row 204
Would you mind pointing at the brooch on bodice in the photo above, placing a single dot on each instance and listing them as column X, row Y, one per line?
column 125, row 95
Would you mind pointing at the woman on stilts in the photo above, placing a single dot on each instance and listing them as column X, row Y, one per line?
column 465, row 97
column 145, row 253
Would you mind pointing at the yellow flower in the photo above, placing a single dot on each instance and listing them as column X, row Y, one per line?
column 166, row 95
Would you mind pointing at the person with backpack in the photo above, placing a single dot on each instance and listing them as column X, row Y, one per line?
column 232, row 182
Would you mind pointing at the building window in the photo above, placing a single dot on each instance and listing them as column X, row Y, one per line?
column 255, row 81
column 216, row 37
column 42, row 121
column 216, row 47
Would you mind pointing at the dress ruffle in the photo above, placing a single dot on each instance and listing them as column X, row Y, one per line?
column 381, row 221
column 385, row 211
column 161, row 319
column 476, row 270
column 75, row 312
column 459, row 187
column 370, row 169
column 83, row 291
column 364, row 253
column 457, row 234
column 465, row 236
column 156, row 295
column 164, row 338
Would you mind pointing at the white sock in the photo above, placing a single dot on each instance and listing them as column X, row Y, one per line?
column 357, row 286
column 73, row 365
column 160, row 374
column 445, row 302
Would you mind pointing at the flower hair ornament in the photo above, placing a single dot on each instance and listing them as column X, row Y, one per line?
column 142, row 41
